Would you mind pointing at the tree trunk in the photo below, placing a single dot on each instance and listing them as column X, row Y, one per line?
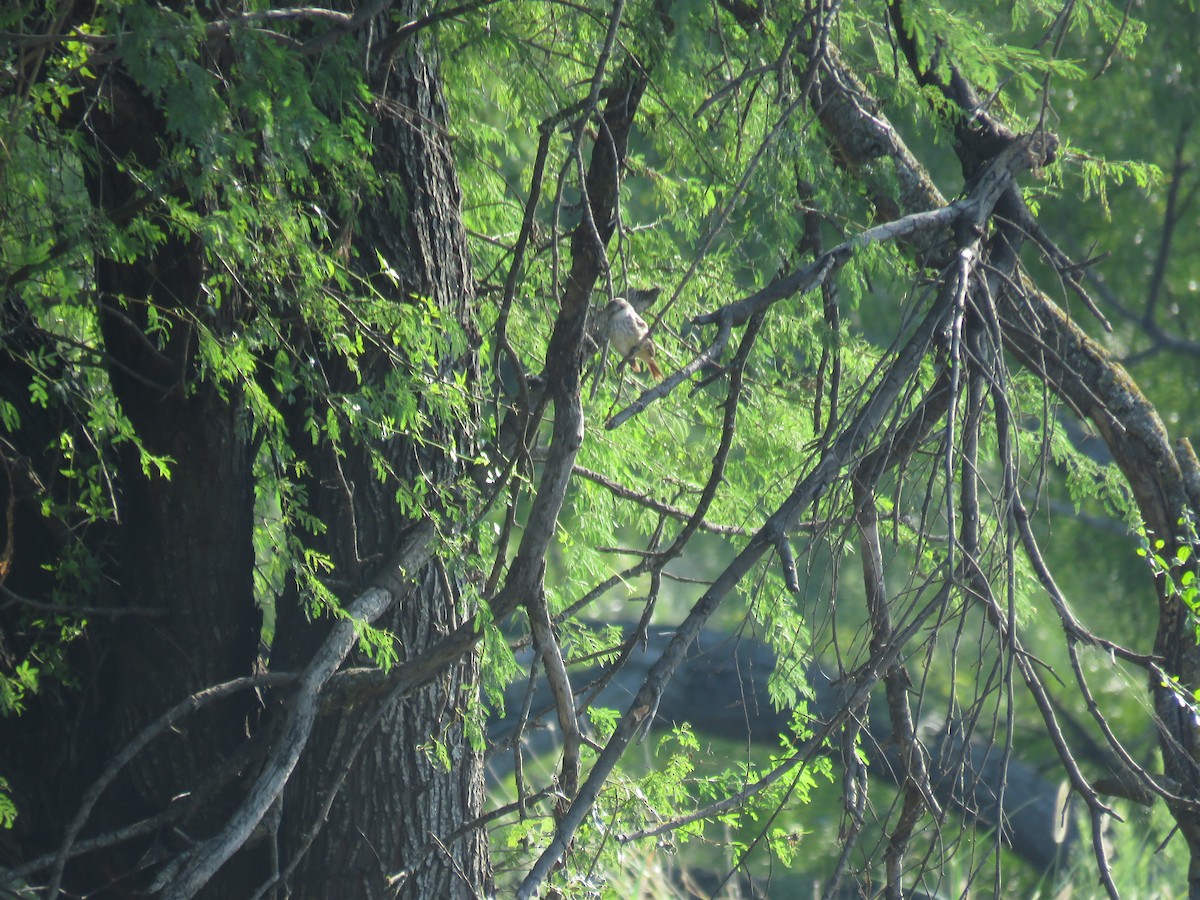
column 410, row 775
column 373, row 805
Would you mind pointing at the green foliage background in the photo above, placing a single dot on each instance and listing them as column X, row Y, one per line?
column 271, row 156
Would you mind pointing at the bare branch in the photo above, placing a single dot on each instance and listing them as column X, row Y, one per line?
column 675, row 512
column 808, row 489
column 193, row 870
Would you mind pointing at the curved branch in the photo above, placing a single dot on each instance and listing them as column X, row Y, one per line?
column 1080, row 372
column 808, row 489
column 194, row 869
column 186, row 707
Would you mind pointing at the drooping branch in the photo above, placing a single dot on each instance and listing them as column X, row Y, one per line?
column 915, row 787
column 812, row 486
column 967, row 219
column 666, row 509
column 1081, row 373
column 722, row 691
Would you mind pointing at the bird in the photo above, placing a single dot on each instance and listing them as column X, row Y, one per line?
column 629, row 334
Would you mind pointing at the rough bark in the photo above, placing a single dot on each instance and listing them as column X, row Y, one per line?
column 371, row 806
column 391, row 804
column 180, row 547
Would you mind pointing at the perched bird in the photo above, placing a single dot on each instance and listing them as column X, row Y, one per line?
column 628, row 334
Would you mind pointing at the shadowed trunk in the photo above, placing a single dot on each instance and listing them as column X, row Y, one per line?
column 389, row 829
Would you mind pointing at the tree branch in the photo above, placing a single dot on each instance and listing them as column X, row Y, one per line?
column 192, row 870
column 806, row 491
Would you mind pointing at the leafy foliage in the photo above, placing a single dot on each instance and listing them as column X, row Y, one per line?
column 268, row 158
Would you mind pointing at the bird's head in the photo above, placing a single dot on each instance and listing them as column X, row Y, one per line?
column 618, row 305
